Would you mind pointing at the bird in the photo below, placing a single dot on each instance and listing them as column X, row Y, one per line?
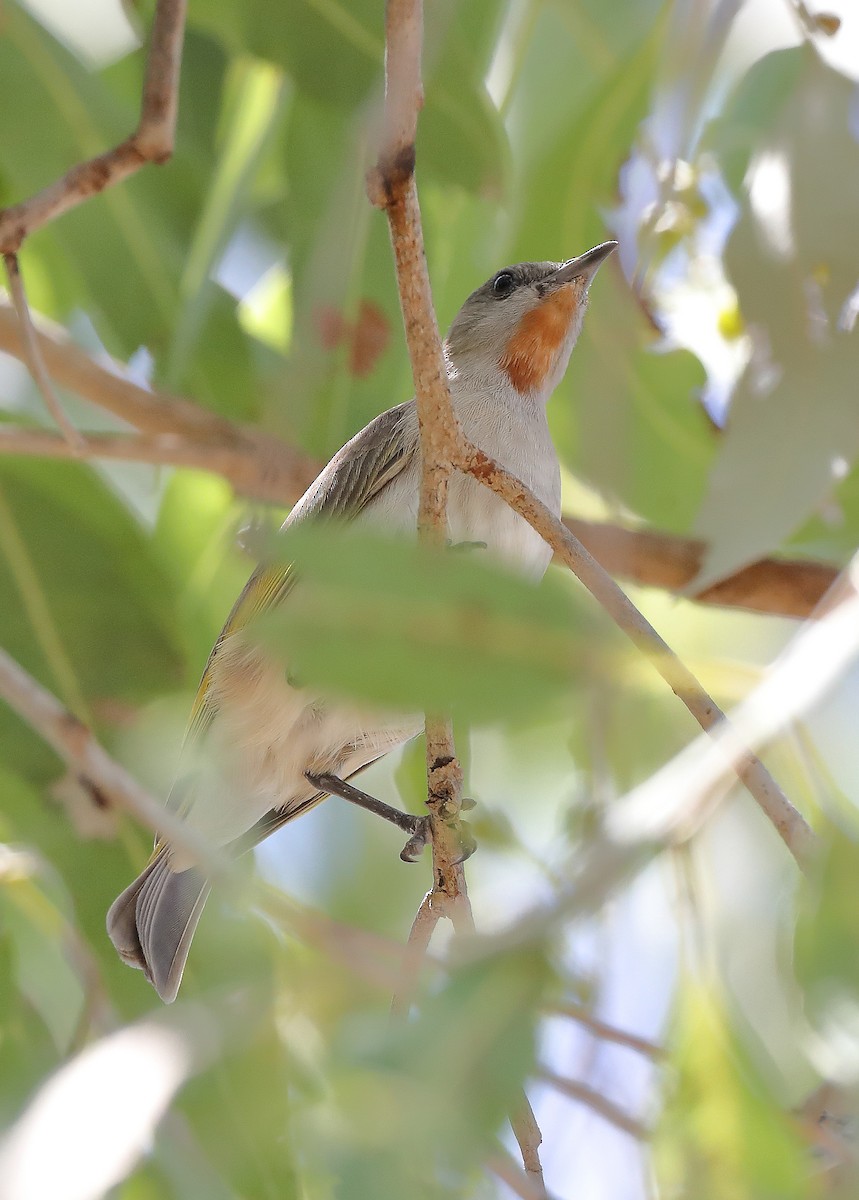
column 260, row 747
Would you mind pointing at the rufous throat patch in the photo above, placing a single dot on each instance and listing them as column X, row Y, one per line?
column 531, row 351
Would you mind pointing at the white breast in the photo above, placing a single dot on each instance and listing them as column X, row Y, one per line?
column 514, row 431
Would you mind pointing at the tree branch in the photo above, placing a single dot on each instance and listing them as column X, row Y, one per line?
column 520, row 1183
column 391, row 186
column 152, row 141
column 597, row 1102
column 79, row 750
column 607, row 1033
column 530, row 1139
column 263, row 476
column 34, row 358
column 680, row 796
column 789, row 823
column 781, row 587
column 420, row 935
column 256, row 463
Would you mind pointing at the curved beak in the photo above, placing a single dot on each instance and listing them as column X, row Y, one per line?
column 584, row 267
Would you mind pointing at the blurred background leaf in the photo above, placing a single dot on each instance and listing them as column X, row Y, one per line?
column 388, row 621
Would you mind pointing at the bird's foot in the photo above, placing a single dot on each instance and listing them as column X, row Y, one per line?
column 467, row 841
column 419, row 829
column 413, row 826
column 414, row 847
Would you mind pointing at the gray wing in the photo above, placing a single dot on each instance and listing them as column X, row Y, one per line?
column 356, row 473
column 360, row 470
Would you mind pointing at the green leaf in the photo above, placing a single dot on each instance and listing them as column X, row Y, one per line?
column 833, row 531
column 389, row 622
column 85, row 606
column 722, row 1134
column 792, row 431
column 72, row 115
column 461, row 138
column 333, row 50
column 827, row 932
column 194, row 545
column 468, row 1048
column 746, row 120
column 625, row 418
column 475, row 1039
column 253, row 107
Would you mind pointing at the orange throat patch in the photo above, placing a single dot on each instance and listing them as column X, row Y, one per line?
column 531, row 351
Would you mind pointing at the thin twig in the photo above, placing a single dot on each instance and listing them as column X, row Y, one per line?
column 105, row 384
column 777, row 586
column 243, row 467
column 152, row 141
column 420, row 934
column 34, row 359
column 529, row 1138
column 607, row 1033
column 501, row 1164
column 672, row 805
column 391, row 186
column 596, row 1101
column 80, row 751
column 789, row 823
column 675, row 801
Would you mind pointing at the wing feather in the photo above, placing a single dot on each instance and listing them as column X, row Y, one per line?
column 354, row 476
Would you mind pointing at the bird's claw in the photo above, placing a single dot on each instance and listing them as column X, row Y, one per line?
column 467, row 841
column 414, row 847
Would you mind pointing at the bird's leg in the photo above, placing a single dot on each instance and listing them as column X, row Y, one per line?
column 416, row 827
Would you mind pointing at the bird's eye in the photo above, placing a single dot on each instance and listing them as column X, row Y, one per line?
column 503, row 284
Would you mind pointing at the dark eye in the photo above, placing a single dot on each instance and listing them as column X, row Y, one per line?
column 503, row 285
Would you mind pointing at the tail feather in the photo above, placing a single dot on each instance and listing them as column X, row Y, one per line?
column 152, row 922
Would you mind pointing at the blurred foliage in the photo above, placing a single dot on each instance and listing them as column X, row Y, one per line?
column 377, row 618
column 251, row 274
column 722, row 1134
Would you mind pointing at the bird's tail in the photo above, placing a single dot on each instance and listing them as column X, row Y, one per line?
column 152, row 922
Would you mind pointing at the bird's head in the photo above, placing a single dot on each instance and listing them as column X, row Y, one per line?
column 523, row 323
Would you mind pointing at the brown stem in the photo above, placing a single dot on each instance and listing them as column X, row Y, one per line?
column 789, row 823
column 596, row 1101
column 607, row 1033
column 34, row 358
column 79, row 750
column 152, row 141
column 530, row 1139
column 420, row 935
column 781, row 587
column 391, row 186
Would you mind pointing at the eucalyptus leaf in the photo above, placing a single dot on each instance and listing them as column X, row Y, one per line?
column 793, row 258
column 827, row 938
column 390, row 622
column 722, row 1135
column 85, row 605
